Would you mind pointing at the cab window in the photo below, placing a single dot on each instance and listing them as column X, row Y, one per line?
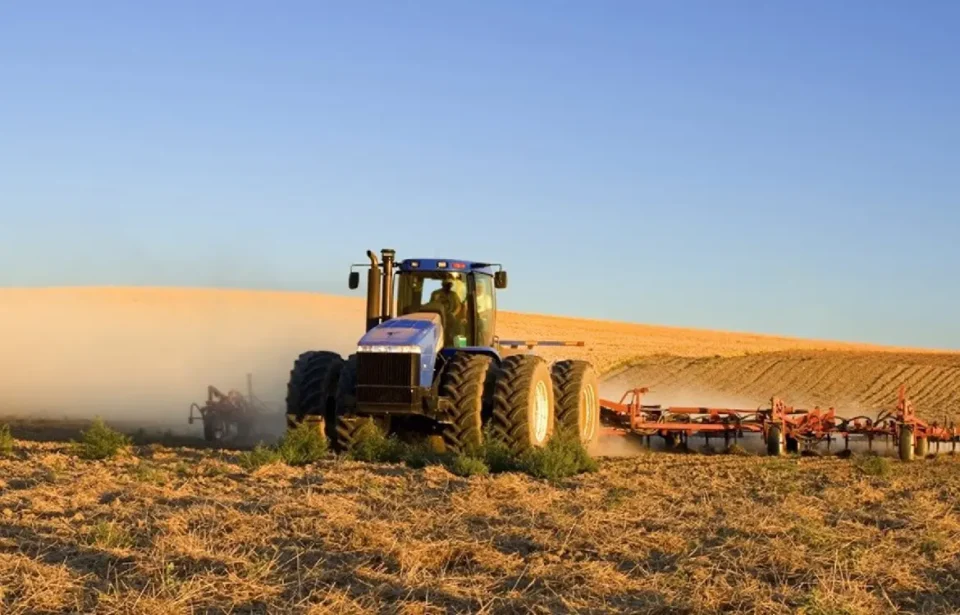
column 485, row 309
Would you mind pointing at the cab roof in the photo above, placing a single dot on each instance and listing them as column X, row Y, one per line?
column 445, row 264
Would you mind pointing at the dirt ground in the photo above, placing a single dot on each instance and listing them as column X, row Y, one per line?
column 185, row 531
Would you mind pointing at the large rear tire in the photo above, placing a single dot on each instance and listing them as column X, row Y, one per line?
column 575, row 390
column 312, row 386
column 466, row 383
column 523, row 403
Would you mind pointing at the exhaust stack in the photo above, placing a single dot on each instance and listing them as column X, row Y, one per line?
column 387, row 309
column 373, row 291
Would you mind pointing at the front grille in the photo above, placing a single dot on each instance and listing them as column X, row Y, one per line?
column 388, row 369
column 395, row 396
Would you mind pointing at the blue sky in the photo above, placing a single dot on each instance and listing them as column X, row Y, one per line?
column 783, row 167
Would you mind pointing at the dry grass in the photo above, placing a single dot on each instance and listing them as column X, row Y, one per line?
column 182, row 531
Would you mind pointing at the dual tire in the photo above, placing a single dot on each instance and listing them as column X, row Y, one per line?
column 524, row 409
column 576, row 389
column 522, row 402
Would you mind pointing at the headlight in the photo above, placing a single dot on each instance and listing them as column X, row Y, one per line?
column 401, row 349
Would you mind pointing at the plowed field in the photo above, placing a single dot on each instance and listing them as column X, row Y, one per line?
column 854, row 381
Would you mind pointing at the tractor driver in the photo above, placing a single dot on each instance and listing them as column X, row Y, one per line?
column 453, row 305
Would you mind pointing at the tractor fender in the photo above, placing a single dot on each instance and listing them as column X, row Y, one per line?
column 446, row 353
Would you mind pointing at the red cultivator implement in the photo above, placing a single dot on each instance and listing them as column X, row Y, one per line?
column 229, row 415
column 782, row 427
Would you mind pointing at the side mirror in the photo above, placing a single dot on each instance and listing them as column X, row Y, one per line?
column 500, row 279
column 354, row 280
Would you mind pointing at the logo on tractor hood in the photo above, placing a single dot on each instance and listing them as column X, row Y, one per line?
column 419, row 329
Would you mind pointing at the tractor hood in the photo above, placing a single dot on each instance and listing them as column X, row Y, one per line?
column 419, row 329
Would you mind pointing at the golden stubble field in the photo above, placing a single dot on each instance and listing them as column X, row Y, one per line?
column 170, row 531
column 167, row 529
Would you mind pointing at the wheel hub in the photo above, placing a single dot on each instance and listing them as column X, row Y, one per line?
column 589, row 397
column 541, row 413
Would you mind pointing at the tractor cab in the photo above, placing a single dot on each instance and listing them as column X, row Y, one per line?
column 462, row 293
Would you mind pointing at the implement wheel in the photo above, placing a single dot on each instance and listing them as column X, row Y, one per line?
column 467, row 383
column 775, row 441
column 575, row 386
column 214, row 429
column 906, row 443
column 312, row 386
column 671, row 440
column 523, row 403
column 922, row 447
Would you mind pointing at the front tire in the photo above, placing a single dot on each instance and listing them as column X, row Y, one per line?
column 575, row 386
column 343, row 429
column 312, row 386
column 465, row 384
column 523, row 403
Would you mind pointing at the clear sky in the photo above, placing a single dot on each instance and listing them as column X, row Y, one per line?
column 783, row 167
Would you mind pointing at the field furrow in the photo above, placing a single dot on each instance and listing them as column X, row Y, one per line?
column 853, row 380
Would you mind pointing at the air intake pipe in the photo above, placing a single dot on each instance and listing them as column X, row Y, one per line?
column 373, row 291
column 387, row 309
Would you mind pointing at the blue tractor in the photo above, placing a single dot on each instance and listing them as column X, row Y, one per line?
column 434, row 368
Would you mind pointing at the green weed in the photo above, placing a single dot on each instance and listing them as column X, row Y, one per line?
column 463, row 465
column 258, row 457
column 873, row 465
column 563, row 456
column 6, row 441
column 100, row 441
column 302, row 445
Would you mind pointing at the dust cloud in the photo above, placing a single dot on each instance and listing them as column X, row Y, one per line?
column 141, row 356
